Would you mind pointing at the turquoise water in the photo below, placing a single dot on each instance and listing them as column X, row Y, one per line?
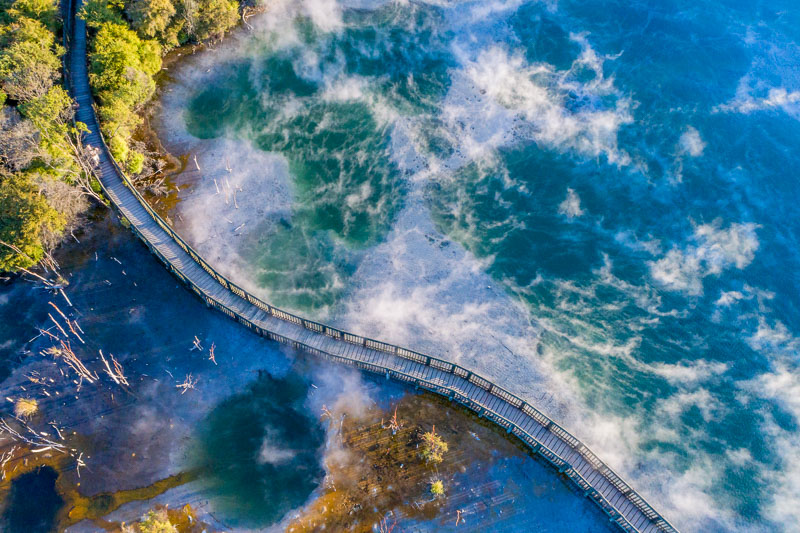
column 260, row 452
column 624, row 170
column 251, row 428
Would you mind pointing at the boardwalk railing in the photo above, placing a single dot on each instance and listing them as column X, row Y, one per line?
column 655, row 519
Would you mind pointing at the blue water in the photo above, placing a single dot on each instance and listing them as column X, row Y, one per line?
column 32, row 503
column 624, row 172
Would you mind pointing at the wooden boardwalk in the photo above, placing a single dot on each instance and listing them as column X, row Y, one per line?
column 566, row 453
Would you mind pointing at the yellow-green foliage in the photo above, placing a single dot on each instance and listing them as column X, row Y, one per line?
column 433, row 447
column 25, row 407
column 437, row 488
column 211, row 18
column 156, row 522
column 35, row 124
column 155, row 19
column 44, row 11
column 29, row 57
column 121, row 69
column 24, row 216
column 135, row 163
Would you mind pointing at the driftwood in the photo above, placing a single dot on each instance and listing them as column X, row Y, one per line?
column 114, row 370
column 39, row 440
column 188, row 383
column 64, row 352
column 385, row 526
column 196, row 345
column 211, row 356
column 394, row 424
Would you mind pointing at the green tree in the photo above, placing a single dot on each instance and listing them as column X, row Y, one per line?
column 29, row 63
column 25, row 216
column 122, row 65
column 152, row 19
column 42, row 187
column 50, row 113
column 99, row 12
column 121, row 72
column 45, row 11
column 210, row 18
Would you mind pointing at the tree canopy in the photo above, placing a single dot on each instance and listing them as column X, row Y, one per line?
column 39, row 195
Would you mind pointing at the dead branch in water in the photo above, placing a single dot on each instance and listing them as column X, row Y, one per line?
column 196, row 345
column 395, row 424
column 114, row 373
column 79, row 463
column 188, row 383
column 58, row 325
column 38, row 439
column 385, row 526
column 69, row 324
column 244, row 19
column 211, row 356
column 47, row 263
column 65, row 296
column 65, row 352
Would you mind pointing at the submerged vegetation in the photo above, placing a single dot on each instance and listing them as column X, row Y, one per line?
column 153, row 522
column 377, row 474
column 43, row 180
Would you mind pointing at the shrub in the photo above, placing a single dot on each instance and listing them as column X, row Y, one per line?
column 135, row 162
column 25, row 407
column 156, row 522
column 433, row 447
column 119, row 148
column 437, row 488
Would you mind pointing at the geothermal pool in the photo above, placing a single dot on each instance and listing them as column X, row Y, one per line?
column 590, row 203
column 248, row 447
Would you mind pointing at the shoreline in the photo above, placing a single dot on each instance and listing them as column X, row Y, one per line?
column 177, row 166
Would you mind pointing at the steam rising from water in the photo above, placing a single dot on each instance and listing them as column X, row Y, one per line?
column 540, row 193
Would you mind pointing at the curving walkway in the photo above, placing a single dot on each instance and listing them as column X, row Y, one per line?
column 598, row 482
